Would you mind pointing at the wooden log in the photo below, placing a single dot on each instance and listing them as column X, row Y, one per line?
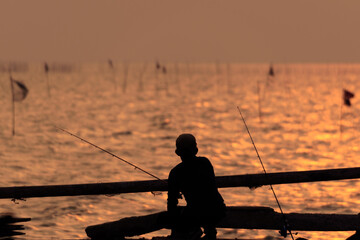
column 126, row 227
column 168, row 238
column 267, row 218
column 247, row 180
column 236, row 218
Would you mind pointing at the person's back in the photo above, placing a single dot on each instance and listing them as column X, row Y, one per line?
column 194, row 177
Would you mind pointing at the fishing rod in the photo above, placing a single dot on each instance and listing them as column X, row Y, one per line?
column 283, row 232
column 110, row 153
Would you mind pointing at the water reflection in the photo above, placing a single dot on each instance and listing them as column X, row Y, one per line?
column 300, row 130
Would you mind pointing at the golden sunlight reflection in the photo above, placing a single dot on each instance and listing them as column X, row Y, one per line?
column 297, row 120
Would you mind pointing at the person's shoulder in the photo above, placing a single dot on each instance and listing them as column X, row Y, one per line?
column 203, row 160
column 176, row 168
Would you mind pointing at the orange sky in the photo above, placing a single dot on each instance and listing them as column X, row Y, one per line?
column 180, row 30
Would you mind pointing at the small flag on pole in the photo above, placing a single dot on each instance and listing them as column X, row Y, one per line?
column 111, row 65
column 157, row 65
column 19, row 92
column 46, row 67
column 347, row 95
column 271, row 71
column 19, row 89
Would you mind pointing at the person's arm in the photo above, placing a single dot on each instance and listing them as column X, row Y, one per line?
column 209, row 169
column 173, row 193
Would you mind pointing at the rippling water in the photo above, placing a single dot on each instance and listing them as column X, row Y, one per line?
column 140, row 118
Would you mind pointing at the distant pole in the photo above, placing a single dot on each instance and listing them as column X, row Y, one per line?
column 111, row 66
column 346, row 97
column 341, row 117
column 218, row 73
column 190, row 74
column 12, row 104
column 177, row 78
column 259, row 102
column 46, row 68
column 126, row 71
column 110, row 62
column 229, row 78
column 157, row 69
column 165, row 79
column 269, row 77
column 141, row 75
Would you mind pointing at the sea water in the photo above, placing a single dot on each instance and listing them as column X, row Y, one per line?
column 297, row 119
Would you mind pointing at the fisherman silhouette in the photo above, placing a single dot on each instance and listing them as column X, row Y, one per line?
column 194, row 178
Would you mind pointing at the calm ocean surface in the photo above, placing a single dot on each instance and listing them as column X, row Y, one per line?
column 137, row 113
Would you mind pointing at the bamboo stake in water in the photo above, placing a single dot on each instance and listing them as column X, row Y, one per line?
column 165, row 79
column 218, row 76
column 141, row 75
column 113, row 72
column 259, row 102
column 12, row 104
column 229, row 78
column 157, row 69
column 177, row 78
column 46, row 68
column 126, row 71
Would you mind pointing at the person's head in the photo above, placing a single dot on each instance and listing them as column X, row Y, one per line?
column 186, row 146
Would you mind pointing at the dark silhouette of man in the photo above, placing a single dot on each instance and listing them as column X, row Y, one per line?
column 194, row 178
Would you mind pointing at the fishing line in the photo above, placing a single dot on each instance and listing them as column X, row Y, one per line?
column 110, row 153
column 271, row 187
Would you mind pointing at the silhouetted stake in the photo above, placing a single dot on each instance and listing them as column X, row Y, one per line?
column 47, row 69
column 141, row 75
column 346, row 97
column 157, row 65
column 270, row 75
column 246, row 180
column 112, row 67
column 218, row 75
column 18, row 93
column 157, row 69
column 12, row 105
column 229, row 78
column 177, row 77
column 166, row 85
column 110, row 62
column 341, row 118
column 126, row 72
column 271, row 71
column 259, row 102
column 189, row 73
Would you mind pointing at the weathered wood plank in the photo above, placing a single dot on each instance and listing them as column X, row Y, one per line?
column 237, row 218
column 168, row 238
column 247, row 180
